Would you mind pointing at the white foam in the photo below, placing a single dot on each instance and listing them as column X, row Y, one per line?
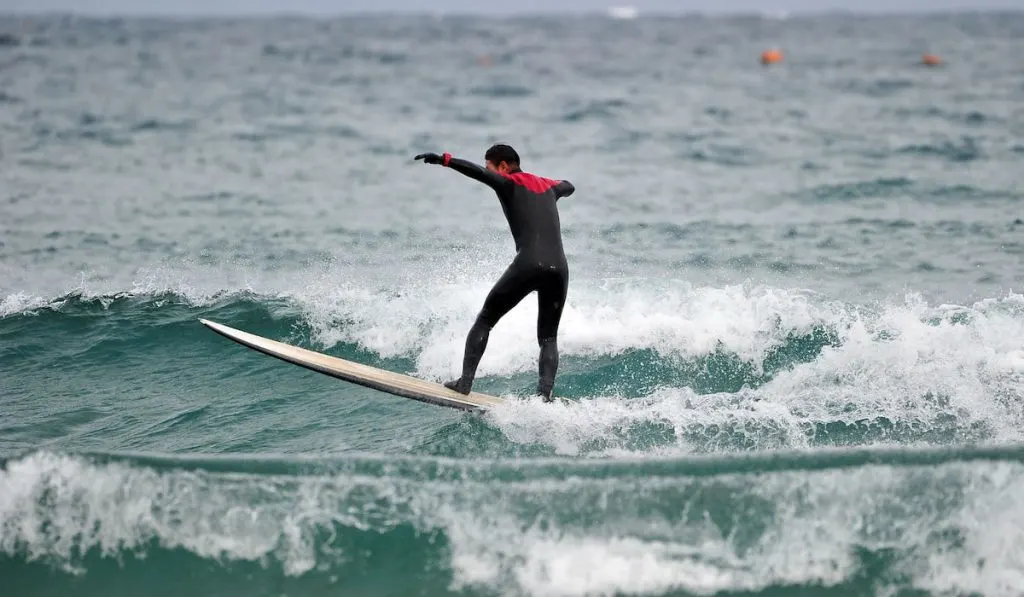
column 813, row 525
column 618, row 426
column 607, row 566
column 600, row 319
column 566, row 534
column 20, row 302
column 115, row 508
column 947, row 368
column 900, row 365
column 941, row 370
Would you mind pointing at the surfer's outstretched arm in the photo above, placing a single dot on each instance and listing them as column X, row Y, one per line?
column 466, row 168
column 477, row 172
column 563, row 189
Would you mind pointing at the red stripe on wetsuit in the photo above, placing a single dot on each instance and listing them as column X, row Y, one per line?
column 534, row 183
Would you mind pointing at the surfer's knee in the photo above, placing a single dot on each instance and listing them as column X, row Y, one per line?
column 485, row 320
column 547, row 341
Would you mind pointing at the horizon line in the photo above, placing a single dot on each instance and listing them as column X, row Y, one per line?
column 604, row 13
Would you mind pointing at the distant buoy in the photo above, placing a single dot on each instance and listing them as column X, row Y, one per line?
column 771, row 56
column 931, row 60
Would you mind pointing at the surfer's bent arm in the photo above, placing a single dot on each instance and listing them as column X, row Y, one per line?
column 474, row 171
column 563, row 189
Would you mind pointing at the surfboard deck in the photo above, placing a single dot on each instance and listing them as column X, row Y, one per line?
column 396, row 384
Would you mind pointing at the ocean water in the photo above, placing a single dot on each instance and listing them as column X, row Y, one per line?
column 792, row 351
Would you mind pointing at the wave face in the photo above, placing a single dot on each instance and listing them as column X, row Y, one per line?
column 670, row 367
column 791, row 351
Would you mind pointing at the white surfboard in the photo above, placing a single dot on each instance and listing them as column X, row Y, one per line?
column 364, row 375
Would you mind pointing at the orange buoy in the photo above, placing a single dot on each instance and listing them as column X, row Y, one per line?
column 772, row 56
column 931, row 60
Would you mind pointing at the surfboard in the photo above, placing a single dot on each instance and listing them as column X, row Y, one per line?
column 389, row 382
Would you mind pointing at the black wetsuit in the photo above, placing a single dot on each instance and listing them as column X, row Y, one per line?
column 529, row 203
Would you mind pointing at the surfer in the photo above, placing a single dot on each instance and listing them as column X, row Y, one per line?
column 529, row 203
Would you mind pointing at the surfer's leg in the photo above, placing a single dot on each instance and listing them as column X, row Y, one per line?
column 550, row 302
column 513, row 285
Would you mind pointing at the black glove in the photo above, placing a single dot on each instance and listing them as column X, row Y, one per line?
column 429, row 158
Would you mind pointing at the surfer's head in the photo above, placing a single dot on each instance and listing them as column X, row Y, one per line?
column 502, row 158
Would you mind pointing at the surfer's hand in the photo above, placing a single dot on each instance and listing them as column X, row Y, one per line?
column 433, row 158
column 429, row 158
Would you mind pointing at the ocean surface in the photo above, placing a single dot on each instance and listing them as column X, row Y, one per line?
column 792, row 351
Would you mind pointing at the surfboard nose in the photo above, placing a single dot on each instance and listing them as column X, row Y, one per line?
column 389, row 382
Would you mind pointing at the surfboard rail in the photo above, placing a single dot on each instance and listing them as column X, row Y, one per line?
column 382, row 380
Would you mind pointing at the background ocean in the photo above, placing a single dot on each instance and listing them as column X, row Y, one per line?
column 793, row 348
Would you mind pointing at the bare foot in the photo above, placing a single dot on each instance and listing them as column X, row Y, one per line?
column 458, row 386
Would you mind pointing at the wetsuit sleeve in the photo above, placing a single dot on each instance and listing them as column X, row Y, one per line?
column 564, row 188
column 476, row 172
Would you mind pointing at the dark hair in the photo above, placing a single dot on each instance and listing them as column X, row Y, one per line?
column 502, row 153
